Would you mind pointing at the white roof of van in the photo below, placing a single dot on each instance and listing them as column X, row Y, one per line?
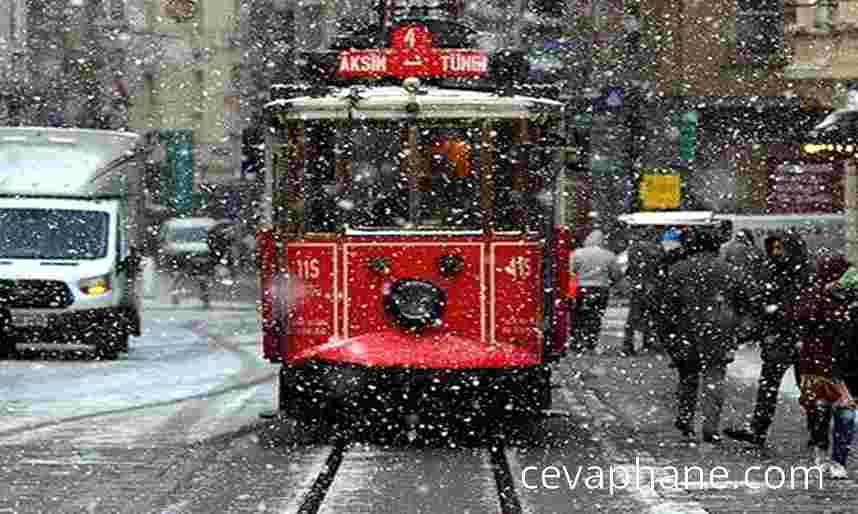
column 56, row 161
column 670, row 218
column 191, row 222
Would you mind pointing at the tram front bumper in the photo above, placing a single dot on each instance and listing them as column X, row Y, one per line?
column 367, row 390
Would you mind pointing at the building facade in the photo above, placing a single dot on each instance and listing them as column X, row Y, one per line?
column 183, row 76
column 823, row 44
column 723, row 86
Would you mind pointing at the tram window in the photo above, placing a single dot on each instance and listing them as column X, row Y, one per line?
column 283, row 203
column 524, row 173
column 379, row 183
column 323, row 194
column 509, row 213
column 448, row 184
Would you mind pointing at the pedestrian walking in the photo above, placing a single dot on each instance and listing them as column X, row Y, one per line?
column 701, row 296
column 742, row 253
column 786, row 272
column 597, row 271
column 644, row 275
column 823, row 316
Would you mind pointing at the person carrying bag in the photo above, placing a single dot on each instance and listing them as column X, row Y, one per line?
column 823, row 317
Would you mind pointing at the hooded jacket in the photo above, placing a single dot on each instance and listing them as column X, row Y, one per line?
column 596, row 266
column 784, row 277
column 742, row 253
column 702, row 298
column 821, row 315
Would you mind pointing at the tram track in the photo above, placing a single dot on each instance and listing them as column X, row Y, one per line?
column 342, row 483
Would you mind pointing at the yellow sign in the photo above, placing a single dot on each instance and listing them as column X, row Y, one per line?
column 660, row 191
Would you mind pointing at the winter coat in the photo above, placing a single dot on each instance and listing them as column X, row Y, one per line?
column 644, row 266
column 645, row 271
column 596, row 266
column 845, row 350
column 702, row 297
column 743, row 253
column 784, row 278
column 821, row 317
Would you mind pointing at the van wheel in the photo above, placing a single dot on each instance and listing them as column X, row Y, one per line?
column 121, row 342
column 7, row 341
column 7, row 347
column 111, row 346
column 107, row 353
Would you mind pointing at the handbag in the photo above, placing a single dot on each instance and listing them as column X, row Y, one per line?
column 572, row 286
column 819, row 388
column 843, row 398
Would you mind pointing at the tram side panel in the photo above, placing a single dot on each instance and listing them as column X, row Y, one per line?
column 516, row 310
column 272, row 301
column 313, row 308
column 563, row 245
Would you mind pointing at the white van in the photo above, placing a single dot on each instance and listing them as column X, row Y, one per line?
column 70, row 203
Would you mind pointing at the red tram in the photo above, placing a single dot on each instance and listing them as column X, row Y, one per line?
column 414, row 249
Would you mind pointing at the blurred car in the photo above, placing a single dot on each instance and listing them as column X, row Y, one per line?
column 183, row 240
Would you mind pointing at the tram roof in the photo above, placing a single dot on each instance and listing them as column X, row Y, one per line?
column 393, row 102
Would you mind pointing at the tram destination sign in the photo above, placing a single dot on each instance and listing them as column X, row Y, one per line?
column 411, row 54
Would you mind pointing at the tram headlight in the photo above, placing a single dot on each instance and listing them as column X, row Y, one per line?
column 415, row 304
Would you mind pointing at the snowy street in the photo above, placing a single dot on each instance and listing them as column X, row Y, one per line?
column 174, row 427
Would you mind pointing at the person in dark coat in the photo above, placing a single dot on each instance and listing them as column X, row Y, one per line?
column 823, row 316
column 845, row 351
column 742, row 253
column 787, row 270
column 701, row 297
column 644, row 274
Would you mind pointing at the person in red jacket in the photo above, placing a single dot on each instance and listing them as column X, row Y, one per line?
column 823, row 317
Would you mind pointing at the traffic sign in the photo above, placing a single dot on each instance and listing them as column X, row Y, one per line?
column 659, row 191
column 412, row 55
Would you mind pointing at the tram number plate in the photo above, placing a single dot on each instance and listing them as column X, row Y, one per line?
column 29, row 320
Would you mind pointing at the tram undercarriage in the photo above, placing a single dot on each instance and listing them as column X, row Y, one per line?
column 321, row 391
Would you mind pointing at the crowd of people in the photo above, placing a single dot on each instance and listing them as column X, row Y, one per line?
column 697, row 295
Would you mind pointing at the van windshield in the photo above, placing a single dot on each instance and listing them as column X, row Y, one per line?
column 53, row 234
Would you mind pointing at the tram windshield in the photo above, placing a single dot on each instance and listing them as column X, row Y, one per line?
column 391, row 174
